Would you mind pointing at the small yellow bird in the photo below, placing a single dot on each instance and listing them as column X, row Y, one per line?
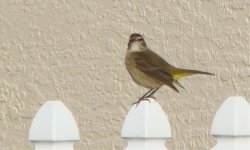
column 151, row 71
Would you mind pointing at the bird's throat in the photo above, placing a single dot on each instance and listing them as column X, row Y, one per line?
column 136, row 47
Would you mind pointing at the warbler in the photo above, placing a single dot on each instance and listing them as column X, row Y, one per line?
column 151, row 71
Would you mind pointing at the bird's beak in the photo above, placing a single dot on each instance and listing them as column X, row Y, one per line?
column 130, row 42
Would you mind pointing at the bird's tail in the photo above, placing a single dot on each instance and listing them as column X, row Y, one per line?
column 179, row 73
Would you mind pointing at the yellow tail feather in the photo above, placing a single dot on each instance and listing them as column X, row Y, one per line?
column 179, row 73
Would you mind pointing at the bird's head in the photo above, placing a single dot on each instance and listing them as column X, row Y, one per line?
column 136, row 42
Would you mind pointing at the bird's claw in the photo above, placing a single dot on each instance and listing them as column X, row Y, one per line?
column 141, row 99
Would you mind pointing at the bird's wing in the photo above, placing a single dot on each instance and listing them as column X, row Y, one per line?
column 152, row 67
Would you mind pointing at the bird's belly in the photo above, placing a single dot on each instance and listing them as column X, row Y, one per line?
column 143, row 80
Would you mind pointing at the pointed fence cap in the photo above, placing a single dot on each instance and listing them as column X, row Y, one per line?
column 147, row 120
column 232, row 118
column 54, row 122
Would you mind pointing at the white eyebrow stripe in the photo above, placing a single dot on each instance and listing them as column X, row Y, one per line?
column 139, row 38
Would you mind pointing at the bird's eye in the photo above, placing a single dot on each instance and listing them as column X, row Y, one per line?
column 140, row 39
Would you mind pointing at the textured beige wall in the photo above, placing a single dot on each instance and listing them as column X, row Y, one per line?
column 74, row 51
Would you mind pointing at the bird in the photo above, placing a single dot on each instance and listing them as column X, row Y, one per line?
column 151, row 71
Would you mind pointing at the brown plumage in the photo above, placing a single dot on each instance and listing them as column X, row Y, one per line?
column 150, row 70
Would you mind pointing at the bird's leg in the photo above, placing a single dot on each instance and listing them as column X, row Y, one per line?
column 153, row 92
column 143, row 97
column 147, row 94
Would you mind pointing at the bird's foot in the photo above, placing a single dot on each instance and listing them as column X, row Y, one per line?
column 151, row 97
column 141, row 99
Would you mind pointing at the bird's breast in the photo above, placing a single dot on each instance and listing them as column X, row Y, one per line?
column 139, row 77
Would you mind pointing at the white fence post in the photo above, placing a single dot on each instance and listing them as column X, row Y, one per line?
column 146, row 127
column 231, row 125
column 54, row 128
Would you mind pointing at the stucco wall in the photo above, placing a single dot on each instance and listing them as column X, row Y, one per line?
column 74, row 51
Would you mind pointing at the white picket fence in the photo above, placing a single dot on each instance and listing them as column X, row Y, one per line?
column 54, row 128
column 146, row 127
